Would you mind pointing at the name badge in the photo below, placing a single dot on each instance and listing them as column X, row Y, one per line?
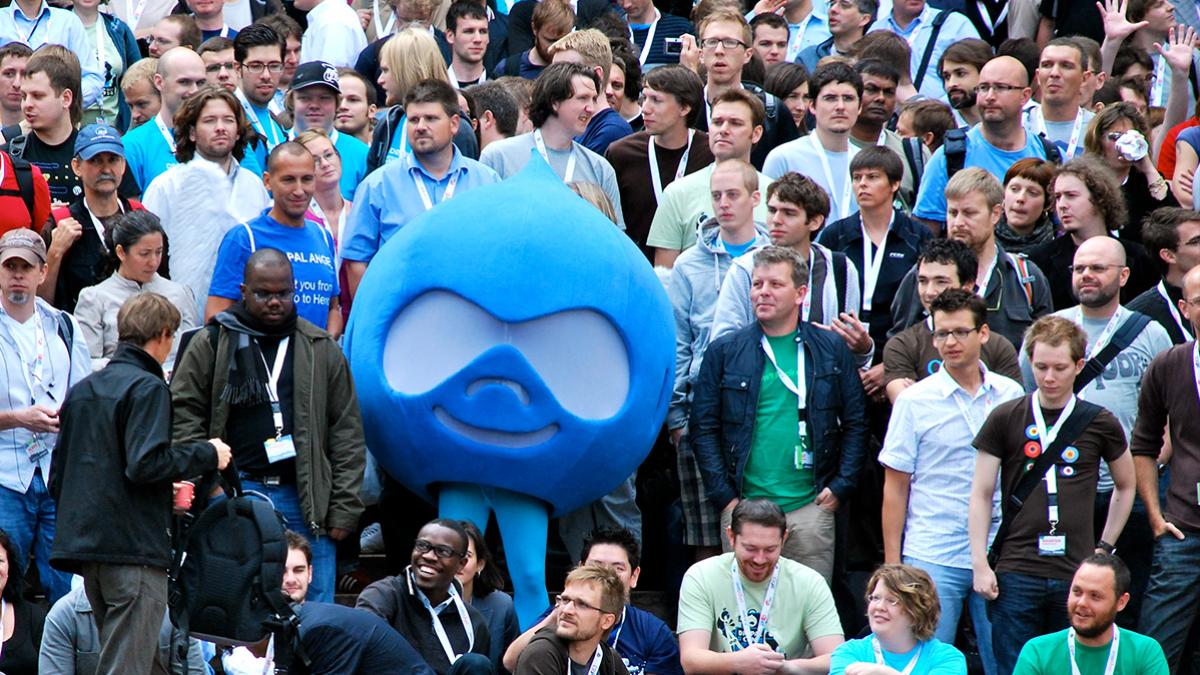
column 35, row 449
column 1052, row 545
column 279, row 449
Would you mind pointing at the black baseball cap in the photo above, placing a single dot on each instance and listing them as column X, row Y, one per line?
column 316, row 73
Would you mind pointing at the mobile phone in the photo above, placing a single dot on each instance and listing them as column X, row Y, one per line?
column 673, row 46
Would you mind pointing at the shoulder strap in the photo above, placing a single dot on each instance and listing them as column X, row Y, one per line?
column 1080, row 418
column 1052, row 153
column 839, row 280
column 915, row 156
column 954, row 145
column 938, row 20
column 66, row 333
column 23, row 172
column 16, row 147
column 250, row 233
column 1125, row 335
column 1021, row 263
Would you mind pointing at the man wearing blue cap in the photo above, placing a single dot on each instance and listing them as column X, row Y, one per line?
column 77, row 253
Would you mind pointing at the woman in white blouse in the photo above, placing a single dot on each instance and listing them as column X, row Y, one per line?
column 135, row 242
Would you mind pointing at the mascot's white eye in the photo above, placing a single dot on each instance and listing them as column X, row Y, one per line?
column 578, row 353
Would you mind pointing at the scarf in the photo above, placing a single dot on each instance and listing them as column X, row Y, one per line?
column 245, row 387
column 1014, row 242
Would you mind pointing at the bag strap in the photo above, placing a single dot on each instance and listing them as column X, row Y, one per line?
column 23, row 172
column 839, row 281
column 1021, row 264
column 1080, row 418
column 955, row 144
column 66, row 332
column 914, row 154
column 1053, row 155
column 938, row 20
column 1125, row 335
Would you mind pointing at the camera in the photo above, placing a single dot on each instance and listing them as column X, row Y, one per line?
column 673, row 46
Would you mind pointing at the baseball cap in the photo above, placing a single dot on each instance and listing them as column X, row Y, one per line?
column 97, row 138
column 316, row 73
column 24, row 244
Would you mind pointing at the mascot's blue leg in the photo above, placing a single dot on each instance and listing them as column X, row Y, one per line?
column 523, row 521
column 464, row 501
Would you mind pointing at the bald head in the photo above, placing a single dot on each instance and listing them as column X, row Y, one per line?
column 1005, row 69
column 1003, row 91
column 1098, row 275
column 1191, row 283
column 180, row 74
column 1103, row 249
column 1189, row 305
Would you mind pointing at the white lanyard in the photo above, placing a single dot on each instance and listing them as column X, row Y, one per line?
column 1039, row 120
column 465, row 618
column 872, row 264
column 33, row 372
column 843, row 205
column 593, row 667
column 541, row 148
column 756, row 636
column 3, row 609
column 645, row 53
column 424, row 194
column 272, row 139
column 166, row 133
column 655, row 176
column 1196, row 367
column 986, row 16
column 100, row 31
column 224, row 30
column 1046, row 438
column 1162, row 290
column 134, row 14
column 987, row 278
column 381, row 29
column 620, row 627
column 798, row 387
column 1156, row 88
column 793, row 46
column 454, row 78
column 275, row 371
column 1110, row 666
column 911, row 664
column 973, row 424
column 96, row 219
column 1114, row 322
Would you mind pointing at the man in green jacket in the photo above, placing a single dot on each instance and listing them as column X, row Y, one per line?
column 278, row 389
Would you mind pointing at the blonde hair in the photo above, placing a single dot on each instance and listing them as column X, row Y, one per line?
column 917, row 595
column 140, row 70
column 743, row 168
column 412, row 55
column 595, row 196
column 975, row 179
column 603, row 579
column 592, row 45
column 726, row 15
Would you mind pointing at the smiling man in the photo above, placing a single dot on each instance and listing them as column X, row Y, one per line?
column 425, row 605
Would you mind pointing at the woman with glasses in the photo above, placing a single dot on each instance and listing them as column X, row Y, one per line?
column 135, row 241
column 483, row 588
column 902, row 611
column 328, row 208
column 1120, row 136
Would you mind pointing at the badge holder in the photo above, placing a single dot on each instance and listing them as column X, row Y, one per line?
column 803, row 460
column 1052, row 545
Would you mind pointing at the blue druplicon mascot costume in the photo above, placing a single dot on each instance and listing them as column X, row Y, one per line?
column 513, row 352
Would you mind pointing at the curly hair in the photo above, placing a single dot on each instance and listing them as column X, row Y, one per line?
column 188, row 115
column 917, row 595
column 15, row 586
column 1105, row 119
column 1103, row 188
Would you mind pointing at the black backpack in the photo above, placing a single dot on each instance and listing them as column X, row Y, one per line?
column 954, row 145
column 227, row 577
column 23, row 171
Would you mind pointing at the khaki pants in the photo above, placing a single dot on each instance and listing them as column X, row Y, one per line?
column 809, row 541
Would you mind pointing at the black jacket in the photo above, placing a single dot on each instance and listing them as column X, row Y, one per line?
column 114, row 464
column 726, row 400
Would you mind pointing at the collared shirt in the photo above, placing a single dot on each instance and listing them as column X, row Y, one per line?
column 918, row 32
column 57, row 27
column 63, row 369
column 389, row 199
column 931, row 438
column 334, row 35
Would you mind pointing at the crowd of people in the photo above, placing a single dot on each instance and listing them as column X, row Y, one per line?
column 934, row 269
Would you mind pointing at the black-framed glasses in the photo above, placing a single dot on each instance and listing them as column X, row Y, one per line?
column 998, row 87
column 442, row 551
column 959, row 334
column 256, row 68
column 563, row 601
column 727, row 43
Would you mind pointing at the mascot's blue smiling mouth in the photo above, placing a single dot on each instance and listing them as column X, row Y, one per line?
column 503, row 439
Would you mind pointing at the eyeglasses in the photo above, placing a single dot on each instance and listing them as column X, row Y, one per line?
column 1093, row 269
column 563, row 601
column 876, row 599
column 214, row 68
column 959, row 334
column 727, row 43
column 326, row 157
column 1114, row 136
column 256, row 68
column 440, row 550
column 267, row 296
column 998, row 87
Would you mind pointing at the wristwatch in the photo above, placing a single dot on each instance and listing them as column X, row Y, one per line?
column 1106, row 547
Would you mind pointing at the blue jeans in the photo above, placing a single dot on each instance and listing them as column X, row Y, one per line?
column 29, row 518
column 954, row 588
column 1027, row 607
column 1172, row 598
column 324, row 562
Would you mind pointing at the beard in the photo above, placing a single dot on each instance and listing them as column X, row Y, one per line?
column 1100, row 625
column 962, row 101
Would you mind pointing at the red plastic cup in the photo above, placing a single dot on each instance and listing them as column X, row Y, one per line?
column 185, row 491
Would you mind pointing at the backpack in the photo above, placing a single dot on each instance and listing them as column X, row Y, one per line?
column 227, row 576
column 955, row 144
column 23, row 172
column 938, row 20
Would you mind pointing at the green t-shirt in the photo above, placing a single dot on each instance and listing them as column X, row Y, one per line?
column 686, row 203
column 771, row 471
column 802, row 612
column 106, row 107
column 1048, row 655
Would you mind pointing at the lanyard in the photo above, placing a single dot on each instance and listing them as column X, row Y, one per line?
column 454, row 78
column 541, row 148
column 272, row 139
column 593, row 667
column 655, row 176
column 1046, row 438
column 987, row 278
column 1110, row 666
column 645, row 53
column 973, row 424
column 275, row 371
column 1039, row 120
column 797, row 37
column 872, row 264
column 3, row 609
column 29, row 36
column 465, row 618
column 1156, row 88
column 33, row 372
column 1162, row 290
column 616, row 637
column 1114, row 322
column 911, row 664
column 96, row 219
column 843, row 206
column 100, row 31
column 166, row 133
column 759, row 635
column 381, row 29
column 134, row 14
column 424, row 194
column 986, row 16
column 1196, row 367
column 798, row 387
